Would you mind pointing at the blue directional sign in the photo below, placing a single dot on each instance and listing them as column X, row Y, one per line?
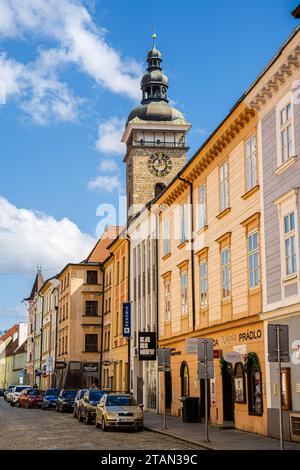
column 126, row 319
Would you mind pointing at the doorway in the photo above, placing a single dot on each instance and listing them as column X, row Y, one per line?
column 228, row 413
column 168, row 397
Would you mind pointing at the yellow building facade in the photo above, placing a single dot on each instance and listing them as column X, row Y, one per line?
column 209, row 270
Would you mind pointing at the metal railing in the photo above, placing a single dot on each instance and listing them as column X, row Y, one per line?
column 159, row 143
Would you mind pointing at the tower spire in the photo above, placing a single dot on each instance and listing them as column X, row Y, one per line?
column 154, row 83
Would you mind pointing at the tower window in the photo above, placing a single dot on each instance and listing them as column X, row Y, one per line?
column 159, row 187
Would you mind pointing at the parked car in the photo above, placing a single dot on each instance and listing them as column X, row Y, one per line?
column 66, row 400
column 30, row 398
column 87, row 406
column 79, row 396
column 9, row 392
column 2, row 390
column 16, row 393
column 119, row 410
column 50, row 398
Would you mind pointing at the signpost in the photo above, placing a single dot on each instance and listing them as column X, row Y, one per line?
column 206, row 371
column 147, row 346
column 164, row 364
column 278, row 351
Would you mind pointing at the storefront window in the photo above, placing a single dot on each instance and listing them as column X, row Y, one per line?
column 255, row 405
column 185, row 380
column 286, row 396
column 239, row 383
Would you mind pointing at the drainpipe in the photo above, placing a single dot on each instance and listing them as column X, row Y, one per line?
column 192, row 250
column 102, row 325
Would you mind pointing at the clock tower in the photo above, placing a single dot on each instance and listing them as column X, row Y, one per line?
column 154, row 137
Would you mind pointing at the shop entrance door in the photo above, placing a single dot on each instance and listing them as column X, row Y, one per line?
column 228, row 412
column 168, row 397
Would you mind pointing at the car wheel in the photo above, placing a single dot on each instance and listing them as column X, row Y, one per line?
column 11, row 403
column 96, row 423
column 27, row 406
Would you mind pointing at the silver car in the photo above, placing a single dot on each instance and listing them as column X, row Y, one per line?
column 119, row 410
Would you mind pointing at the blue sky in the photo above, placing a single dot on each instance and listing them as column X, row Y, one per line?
column 71, row 76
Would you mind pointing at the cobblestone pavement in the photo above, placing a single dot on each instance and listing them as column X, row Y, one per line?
column 39, row 429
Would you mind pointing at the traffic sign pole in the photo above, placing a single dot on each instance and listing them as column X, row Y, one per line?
column 280, row 385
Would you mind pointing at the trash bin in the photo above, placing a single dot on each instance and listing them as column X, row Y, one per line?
column 190, row 409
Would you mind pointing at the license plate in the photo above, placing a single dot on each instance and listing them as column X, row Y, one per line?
column 126, row 420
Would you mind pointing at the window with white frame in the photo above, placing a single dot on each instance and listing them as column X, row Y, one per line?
column 290, row 243
column 251, row 163
column 202, row 206
column 203, row 282
column 224, row 193
column 166, row 236
column 253, row 259
column 286, row 140
column 167, row 300
column 182, row 223
column 225, row 265
column 183, row 284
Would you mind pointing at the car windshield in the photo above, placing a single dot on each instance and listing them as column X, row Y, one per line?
column 121, row 400
column 19, row 389
column 69, row 394
column 95, row 396
column 81, row 393
column 52, row 392
column 34, row 393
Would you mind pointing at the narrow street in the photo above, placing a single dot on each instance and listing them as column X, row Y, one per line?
column 22, row 429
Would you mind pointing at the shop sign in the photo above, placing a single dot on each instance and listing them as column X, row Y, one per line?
column 147, row 346
column 164, row 359
column 233, row 357
column 60, row 365
column 217, row 353
column 126, row 310
column 106, row 363
column 90, row 367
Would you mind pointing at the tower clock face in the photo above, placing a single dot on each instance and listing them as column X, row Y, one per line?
column 159, row 164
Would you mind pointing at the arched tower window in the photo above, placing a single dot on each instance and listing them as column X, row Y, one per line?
column 158, row 188
column 156, row 92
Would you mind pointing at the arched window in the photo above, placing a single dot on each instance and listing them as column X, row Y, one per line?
column 254, row 382
column 239, row 383
column 156, row 92
column 159, row 187
column 185, row 380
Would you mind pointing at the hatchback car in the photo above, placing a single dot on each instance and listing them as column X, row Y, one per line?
column 30, row 398
column 66, row 400
column 78, row 398
column 50, row 398
column 16, row 393
column 119, row 410
column 9, row 393
column 87, row 406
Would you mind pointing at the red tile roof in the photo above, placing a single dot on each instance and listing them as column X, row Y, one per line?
column 100, row 252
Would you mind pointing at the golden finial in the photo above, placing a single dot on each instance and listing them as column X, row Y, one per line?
column 154, row 38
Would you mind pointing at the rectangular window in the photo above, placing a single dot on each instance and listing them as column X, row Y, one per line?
column 183, row 284
column 91, row 343
column 225, row 264
column 166, row 236
column 203, row 282
column 253, row 259
column 91, row 308
column 290, row 243
column 92, row 277
column 224, row 193
column 117, row 324
column 202, row 206
column 251, row 163
column 167, row 301
column 118, row 272
column 123, row 268
column 286, row 132
column 183, row 223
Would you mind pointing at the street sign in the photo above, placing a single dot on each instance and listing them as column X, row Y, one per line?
column 126, row 319
column 284, row 343
column 233, row 357
column 147, row 346
column 106, row 363
column 164, row 359
column 205, row 349
column 191, row 345
column 21, row 376
column 60, row 365
column 209, row 371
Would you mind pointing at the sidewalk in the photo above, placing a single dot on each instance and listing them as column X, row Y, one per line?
column 220, row 439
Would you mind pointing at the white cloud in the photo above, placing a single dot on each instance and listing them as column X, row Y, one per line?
column 105, row 183
column 108, row 165
column 79, row 41
column 109, row 136
column 29, row 239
